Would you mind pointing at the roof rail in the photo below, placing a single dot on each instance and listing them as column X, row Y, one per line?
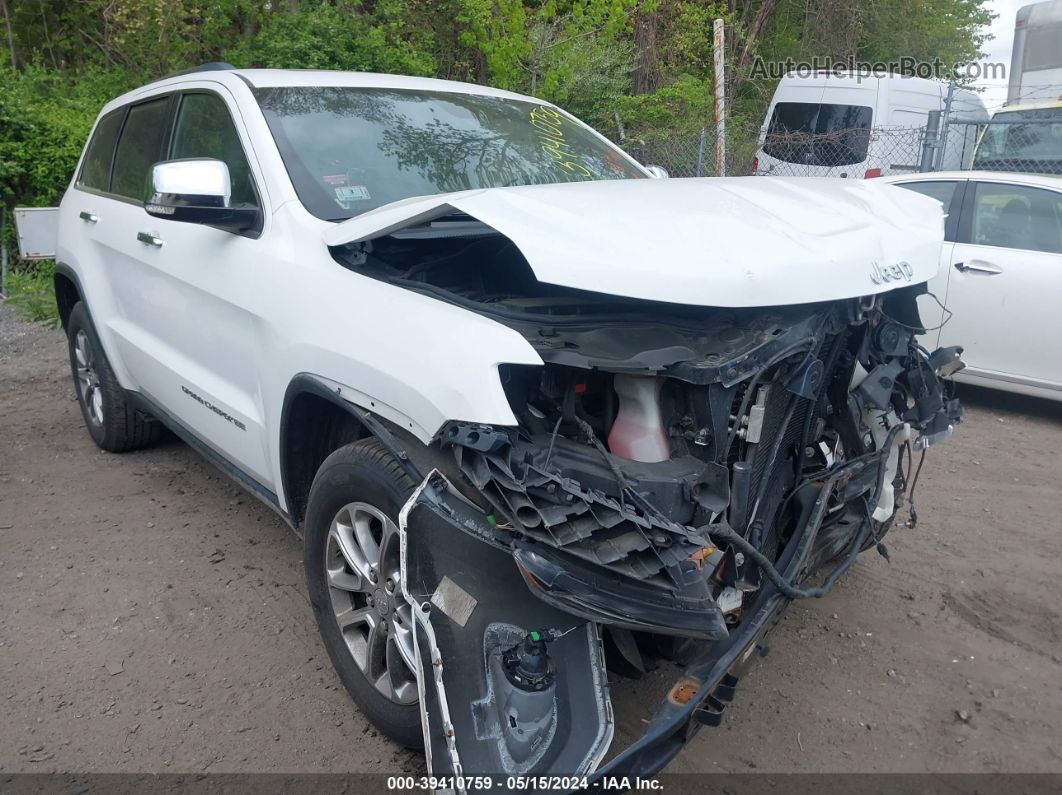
column 211, row 66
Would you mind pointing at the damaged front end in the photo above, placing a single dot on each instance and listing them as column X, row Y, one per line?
column 724, row 411
column 675, row 478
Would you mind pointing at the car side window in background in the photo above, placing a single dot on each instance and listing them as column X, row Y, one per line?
column 944, row 192
column 205, row 129
column 941, row 191
column 139, row 148
column 1016, row 216
column 96, row 170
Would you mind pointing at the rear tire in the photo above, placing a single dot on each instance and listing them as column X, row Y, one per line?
column 112, row 422
column 350, row 553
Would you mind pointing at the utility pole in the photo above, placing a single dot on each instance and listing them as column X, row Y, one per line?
column 720, row 97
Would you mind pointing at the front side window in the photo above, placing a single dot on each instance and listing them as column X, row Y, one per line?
column 1016, row 216
column 349, row 150
column 819, row 133
column 205, row 129
column 139, row 148
column 96, row 169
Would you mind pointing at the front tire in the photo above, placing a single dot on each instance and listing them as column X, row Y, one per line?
column 351, row 557
column 112, row 422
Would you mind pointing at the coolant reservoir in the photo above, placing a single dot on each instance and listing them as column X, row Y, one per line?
column 638, row 432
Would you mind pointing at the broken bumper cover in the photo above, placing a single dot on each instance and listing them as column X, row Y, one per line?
column 713, row 678
column 475, row 722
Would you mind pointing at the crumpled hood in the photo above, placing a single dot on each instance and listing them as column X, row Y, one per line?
column 732, row 241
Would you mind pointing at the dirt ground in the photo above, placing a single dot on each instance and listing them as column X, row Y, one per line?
column 153, row 617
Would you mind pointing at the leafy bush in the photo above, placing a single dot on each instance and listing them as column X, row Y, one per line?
column 30, row 290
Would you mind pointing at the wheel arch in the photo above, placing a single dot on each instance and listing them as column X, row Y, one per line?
column 315, row 421
column 68, row 291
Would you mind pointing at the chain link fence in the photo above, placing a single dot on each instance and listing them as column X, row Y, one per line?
column 851, row 153
column 1016, row 139
column 694, row 155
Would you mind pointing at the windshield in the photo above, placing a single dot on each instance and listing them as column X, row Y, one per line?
column 349, row 150
column 1023, row 140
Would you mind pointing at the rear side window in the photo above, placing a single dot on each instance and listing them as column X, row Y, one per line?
column 1016, row 216
column 205, row 129
column 139, row 148
column 819, row 134
column 96, row 170
column 943, row 192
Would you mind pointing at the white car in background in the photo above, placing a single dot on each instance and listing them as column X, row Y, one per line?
column 1000, row 276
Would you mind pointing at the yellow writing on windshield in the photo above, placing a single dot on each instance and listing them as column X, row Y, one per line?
column 548, row 126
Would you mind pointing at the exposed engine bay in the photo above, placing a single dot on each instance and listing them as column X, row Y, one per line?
column 677, row 475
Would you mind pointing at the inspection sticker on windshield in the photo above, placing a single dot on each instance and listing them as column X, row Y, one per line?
column 351, row 193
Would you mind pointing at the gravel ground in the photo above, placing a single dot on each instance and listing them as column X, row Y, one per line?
column 153, row 617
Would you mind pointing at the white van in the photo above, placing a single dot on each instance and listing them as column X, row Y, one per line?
column 857, row 125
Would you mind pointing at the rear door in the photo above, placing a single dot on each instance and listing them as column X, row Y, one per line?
column 1005, row 278
column 99, row 223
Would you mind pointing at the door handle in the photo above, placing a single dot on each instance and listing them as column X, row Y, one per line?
column 89, row 217
column 150, row 239
column 978, row 266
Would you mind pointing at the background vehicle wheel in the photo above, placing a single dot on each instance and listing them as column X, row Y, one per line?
column 351, row 555
column 112, row 422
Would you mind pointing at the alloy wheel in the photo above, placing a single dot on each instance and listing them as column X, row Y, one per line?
column 88, row 382
column 364, row 582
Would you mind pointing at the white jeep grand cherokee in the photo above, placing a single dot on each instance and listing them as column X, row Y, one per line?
column 530, row 410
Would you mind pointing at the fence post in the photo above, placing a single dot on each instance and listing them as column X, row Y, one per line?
column 944, row 127
column 700, row 153
column 930, row 142
column 720, row 98
column 3, row 252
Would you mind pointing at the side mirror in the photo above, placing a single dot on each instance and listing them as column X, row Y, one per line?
column 657, row 172
column 198, row 191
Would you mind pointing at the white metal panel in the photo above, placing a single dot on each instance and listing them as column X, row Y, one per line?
column 38, row 231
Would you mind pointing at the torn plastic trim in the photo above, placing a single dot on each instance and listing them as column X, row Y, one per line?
column 425, row 646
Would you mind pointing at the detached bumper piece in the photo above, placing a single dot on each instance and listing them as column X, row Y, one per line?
column 509, row 684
